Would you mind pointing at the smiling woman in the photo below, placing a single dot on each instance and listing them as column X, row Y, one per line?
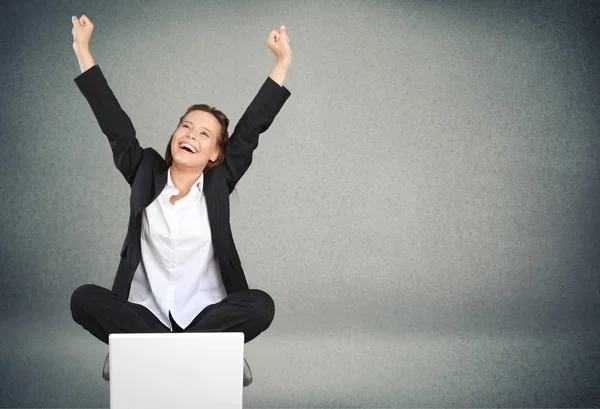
column 207, row 127
column 179, row 269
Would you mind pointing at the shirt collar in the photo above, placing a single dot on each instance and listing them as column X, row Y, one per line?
column 199, row 183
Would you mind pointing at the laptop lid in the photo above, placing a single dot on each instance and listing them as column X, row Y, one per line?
column 179, row 370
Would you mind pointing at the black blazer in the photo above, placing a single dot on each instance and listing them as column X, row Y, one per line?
column 146, row 172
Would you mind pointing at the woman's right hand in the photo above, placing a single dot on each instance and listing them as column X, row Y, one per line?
column 82, row 33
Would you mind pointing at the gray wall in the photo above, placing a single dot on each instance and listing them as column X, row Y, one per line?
column 424, row 210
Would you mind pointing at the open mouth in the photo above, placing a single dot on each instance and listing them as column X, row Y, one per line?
column 187, row 147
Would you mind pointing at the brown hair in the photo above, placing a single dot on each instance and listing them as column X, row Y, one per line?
column 221, row 139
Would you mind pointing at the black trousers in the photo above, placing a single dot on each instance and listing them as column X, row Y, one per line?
column 99, row 311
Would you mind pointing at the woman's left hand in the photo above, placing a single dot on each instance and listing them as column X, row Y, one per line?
column 279, row 43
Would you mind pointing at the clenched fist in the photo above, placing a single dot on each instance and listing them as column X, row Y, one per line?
column 82, row 33
column 279, row 43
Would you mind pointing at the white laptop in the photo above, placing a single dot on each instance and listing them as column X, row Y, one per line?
column 176, row 370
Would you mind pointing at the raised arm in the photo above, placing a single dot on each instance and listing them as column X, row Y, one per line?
column 113, row 121
column 278, row 42
column 82, row 34
column 261, row 112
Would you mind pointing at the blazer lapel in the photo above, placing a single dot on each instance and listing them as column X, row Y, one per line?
column 159, row 182
column 212, row 205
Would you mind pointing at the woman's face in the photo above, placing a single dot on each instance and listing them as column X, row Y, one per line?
column 194, row 142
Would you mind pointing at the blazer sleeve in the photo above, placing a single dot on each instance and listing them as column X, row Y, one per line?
column 113, row 121
column 257, row 118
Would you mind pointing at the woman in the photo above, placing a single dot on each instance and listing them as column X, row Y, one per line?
column 179, row 269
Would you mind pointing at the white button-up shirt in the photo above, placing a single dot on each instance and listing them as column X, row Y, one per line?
column 178, row 272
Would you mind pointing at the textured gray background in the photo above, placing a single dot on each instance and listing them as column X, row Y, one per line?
column 424, row 210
